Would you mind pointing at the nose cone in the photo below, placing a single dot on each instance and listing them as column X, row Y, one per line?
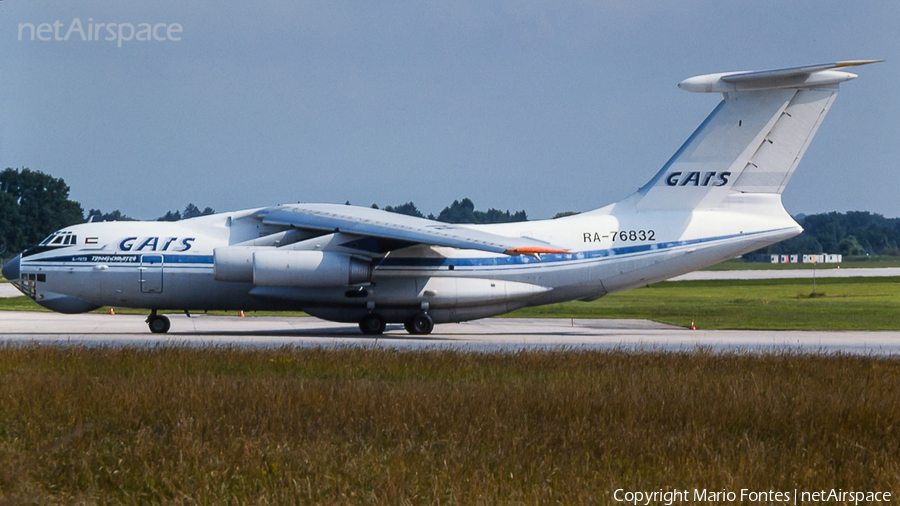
column 11, row 269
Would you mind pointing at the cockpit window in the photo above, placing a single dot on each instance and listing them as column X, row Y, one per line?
column 60, row 239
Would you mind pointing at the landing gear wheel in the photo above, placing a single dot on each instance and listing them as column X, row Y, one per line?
column 372, row 324
column 420, row 323
column 158, row 324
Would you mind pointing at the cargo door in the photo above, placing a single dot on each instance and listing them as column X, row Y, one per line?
column 151, row 273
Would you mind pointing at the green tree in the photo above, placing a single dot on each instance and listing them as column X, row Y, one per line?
column 96, row 215
column 464, row 212
column 458, row 212
column 408, row 209
column 170, row 216
column 802, row 244
column 497, row 216
column 830, row 233
column 34, row 205
column 10, row 224
column 850, row 246
column 192, row 211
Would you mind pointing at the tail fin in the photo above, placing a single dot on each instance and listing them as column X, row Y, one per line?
column 751, row 142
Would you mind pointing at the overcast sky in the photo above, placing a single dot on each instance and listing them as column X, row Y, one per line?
column 546, row 107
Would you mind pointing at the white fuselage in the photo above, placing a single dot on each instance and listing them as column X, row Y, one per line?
column 165, row 265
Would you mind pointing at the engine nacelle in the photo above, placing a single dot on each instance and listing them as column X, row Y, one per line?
column 234, row 263
column 274, row 267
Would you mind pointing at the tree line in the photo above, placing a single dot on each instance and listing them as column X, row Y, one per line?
column 851, row 233
column 460, row 211
column 34, row 204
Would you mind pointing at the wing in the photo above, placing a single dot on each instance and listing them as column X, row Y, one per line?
column 405, row 230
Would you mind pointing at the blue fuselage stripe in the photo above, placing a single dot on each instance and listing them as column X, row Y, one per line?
column 499, row 261
column 548, row 258
column 125, row 259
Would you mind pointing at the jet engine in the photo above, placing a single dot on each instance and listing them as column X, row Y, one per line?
column 234, row 263
column 274, row 267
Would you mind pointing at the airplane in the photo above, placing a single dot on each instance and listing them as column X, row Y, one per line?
column 719, row 196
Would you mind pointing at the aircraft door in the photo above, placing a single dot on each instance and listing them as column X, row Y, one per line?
column 151, row 273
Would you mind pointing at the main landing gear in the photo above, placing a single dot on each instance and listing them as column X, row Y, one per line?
column 158, row 324
column 420, row 323
column 373, row 324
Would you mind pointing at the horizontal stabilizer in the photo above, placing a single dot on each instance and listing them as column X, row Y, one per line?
column 795, row 77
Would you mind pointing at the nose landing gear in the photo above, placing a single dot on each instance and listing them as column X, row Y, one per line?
column 158, row 324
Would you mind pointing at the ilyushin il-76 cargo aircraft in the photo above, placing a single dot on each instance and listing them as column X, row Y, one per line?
column 719, row 196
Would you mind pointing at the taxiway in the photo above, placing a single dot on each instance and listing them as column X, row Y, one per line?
column 488, row 334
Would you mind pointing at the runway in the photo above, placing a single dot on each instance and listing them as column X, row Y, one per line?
column 509, row 334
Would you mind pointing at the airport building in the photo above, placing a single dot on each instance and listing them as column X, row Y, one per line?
column 820, row 258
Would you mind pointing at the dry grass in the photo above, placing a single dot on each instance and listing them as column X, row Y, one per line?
column 224, row 425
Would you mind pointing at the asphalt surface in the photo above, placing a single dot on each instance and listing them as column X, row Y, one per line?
column 7, row 290
column 488, row 334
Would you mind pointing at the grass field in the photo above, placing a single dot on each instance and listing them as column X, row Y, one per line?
column 375, row 426
column 769, row 304
column 838, row 304
column 225, row 425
